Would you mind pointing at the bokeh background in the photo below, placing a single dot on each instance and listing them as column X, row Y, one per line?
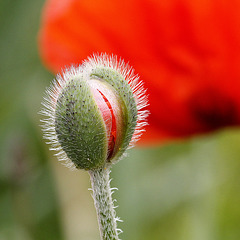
column 188, row 189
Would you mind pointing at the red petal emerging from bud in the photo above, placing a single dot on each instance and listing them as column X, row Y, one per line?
column 112, row 137
column 109, row 106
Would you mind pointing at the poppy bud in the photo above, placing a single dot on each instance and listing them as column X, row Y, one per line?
column 94, row 112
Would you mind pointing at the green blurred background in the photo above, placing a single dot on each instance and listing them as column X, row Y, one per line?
column 187, row 190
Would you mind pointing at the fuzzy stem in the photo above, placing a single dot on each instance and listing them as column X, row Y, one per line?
column 102, row 196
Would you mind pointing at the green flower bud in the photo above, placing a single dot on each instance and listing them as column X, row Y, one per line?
column 94, row 112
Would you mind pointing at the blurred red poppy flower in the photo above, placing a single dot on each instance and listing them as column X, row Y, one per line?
column 186, row 51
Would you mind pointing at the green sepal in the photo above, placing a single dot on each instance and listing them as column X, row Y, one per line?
column 79, row 125
column 129, row 106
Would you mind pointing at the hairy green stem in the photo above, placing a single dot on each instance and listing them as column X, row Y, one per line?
column 102, row 195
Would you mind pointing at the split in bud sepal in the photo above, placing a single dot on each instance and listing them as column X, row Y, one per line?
column 94, row 112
